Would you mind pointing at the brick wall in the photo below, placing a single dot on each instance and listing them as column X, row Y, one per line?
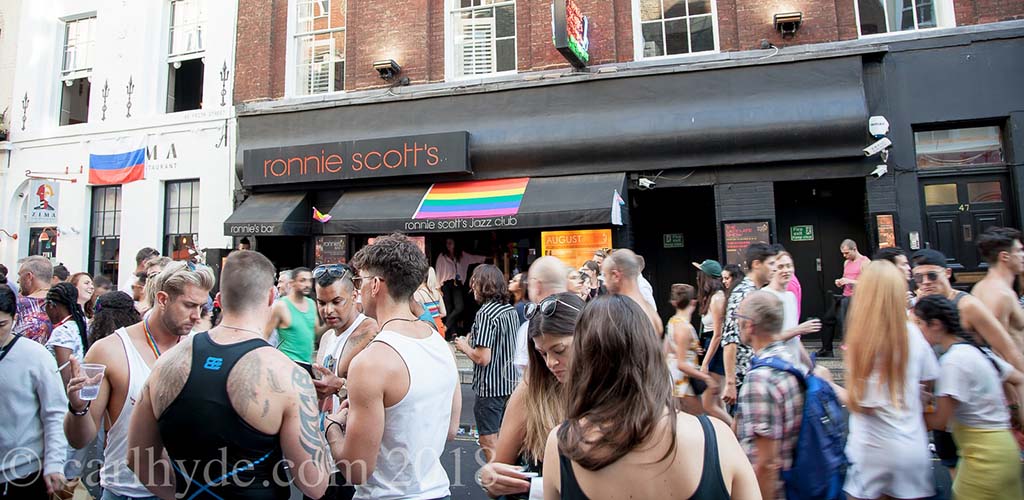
column 412, row 33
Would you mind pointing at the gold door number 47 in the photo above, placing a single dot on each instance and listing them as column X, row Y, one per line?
column 965, row 207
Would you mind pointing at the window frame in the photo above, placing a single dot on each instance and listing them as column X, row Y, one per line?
column 194, row 200
column 77, row 73
column 292, row 56
column 945, row 17
column 981, row 168
column 638, row 36
column 95, row 265
column 201, row 24
column 450, row 54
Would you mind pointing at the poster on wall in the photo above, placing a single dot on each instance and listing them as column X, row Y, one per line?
column 739, row 235
column 575, row 247
column 331, row 250
column 43, row 202
column 43, row 241
column 886, row 224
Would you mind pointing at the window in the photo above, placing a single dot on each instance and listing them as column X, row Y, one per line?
column 670, row 27
column 105, row 247
column 888, row 16
column 961, row 147
column 484, row 37
column 185, row 55
column 76, row 70
column 181, row 218
column 319, row 46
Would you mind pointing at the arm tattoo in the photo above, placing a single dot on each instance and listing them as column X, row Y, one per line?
column 244, row 380
column 173, row 376
column 310, row 438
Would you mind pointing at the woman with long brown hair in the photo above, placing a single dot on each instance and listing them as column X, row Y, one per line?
column 887, row 359
column 622, row 436
column 711, row 302
column 86, row 292
column 538, row 404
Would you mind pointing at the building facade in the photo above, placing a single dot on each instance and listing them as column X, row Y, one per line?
column 97, row 82
column 9, row 13
column 694, row 128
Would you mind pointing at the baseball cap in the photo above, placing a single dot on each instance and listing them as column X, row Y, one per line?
column 710, row 267
column 928, row 257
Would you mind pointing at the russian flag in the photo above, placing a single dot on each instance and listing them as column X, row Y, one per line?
column 117, row 162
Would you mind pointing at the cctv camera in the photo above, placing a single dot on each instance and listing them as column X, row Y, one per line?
column 645, row 183
column 877, row 147
column 879, row 171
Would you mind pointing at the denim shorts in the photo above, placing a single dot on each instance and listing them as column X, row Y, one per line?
column 488, row 413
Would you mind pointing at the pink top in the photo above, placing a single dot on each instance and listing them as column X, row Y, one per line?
column 851, row 271
column 794, row 286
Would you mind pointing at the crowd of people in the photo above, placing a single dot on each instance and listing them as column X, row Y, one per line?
column 342, row 381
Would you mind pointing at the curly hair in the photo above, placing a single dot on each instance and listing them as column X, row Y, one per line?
column 113, row 310
column 397, row 260
column 489, row 284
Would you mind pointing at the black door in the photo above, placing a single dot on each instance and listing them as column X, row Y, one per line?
column 958, row 209
column 813, row 218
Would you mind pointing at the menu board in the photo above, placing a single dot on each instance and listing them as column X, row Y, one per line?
column 575, row 247
column 886, row 224
column 739, row 235
column 331, row 250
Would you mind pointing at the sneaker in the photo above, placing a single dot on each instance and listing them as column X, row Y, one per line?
column 822, row 353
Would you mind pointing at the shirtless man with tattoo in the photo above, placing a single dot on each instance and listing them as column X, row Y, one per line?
column 230, row 412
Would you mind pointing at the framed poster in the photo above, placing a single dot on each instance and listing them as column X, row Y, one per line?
column 885, row 228
column 331, row 250
column 738, row 235
column 574, row 247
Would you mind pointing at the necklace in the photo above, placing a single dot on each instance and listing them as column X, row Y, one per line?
column 152, row 342
column 65, row 320
column 397, row 319
column 254, row 332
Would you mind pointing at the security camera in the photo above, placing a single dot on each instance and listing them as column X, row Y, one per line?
column 877, row 147
column 879, row 171
column 645, row 183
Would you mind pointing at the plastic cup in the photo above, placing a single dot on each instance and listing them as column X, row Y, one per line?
column 93, row 377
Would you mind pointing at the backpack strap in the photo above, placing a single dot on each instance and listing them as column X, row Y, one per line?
column 780, row 365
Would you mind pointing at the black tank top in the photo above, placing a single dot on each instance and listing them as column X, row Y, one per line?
column 711, row 486
column 215, row 453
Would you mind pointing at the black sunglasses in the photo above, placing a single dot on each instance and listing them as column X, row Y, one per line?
column 546, row 307
column 333, row 270
column 930, row 275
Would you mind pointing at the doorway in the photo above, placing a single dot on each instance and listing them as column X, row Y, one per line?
column 286, row 252
column 673, row 227
column 958, row 209
column 813, row 219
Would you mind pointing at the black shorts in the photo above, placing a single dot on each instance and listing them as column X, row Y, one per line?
column 488, row 413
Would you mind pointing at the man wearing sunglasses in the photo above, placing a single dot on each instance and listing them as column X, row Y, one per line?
column 350, row 331
column 1002, row 249
column 296, row 321
column 932, row 278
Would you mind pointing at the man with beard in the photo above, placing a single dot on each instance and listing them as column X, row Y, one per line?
column 296, row 321
column 129, row 356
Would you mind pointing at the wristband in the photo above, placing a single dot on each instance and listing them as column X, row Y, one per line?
column 79, row 413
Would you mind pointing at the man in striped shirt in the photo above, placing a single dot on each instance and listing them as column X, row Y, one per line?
column 491, row 346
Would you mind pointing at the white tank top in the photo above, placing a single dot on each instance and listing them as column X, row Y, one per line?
column 333, row 345
column 707, row 321
column 115, row 474
column 416, row 429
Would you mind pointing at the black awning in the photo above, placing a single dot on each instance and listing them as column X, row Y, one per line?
column 568, row 201
column 275, row 214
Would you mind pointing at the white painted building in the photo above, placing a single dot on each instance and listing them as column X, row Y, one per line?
column 96, row 75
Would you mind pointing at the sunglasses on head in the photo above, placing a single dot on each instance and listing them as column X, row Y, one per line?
column 930, row 275
column 332, row 270
column 547, row 308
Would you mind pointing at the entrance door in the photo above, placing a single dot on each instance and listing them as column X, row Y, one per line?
column 812, row 220
column 958, row 209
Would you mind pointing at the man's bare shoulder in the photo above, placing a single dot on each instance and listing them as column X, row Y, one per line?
column 377, row 357
column 169, row 375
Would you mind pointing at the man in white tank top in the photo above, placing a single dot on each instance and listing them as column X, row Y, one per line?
column 404, row 400
column 129, row 355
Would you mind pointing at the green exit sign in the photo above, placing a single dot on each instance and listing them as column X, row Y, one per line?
column 672, row 240
column 801, row 233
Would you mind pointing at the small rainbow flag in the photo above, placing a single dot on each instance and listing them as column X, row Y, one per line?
column 320, row 217
column 473, row 199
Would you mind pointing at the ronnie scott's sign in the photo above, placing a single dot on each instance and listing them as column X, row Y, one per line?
column 366, row 159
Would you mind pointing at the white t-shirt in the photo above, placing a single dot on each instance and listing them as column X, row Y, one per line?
column 522, row 357
column 646, row 291
column 790, row 320
column 968, row 376
column 889, row 447
column 66, row 336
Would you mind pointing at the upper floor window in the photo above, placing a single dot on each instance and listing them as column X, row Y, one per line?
column 670, row 27
column 959, row 147
column 888, row 16
column 319, row 46
column 484, row 36
column 185, row 55
column 76, row 70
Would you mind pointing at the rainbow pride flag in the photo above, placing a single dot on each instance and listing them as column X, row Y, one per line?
column 472, row 199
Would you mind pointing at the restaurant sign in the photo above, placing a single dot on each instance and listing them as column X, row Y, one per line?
column 571, row 30
column 364, row 159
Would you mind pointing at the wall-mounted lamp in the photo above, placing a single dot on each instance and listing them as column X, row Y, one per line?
column 387, row 68
column 9, row 235
column 787, row 23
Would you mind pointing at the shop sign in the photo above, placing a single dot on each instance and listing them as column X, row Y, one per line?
column 163, row 157
column 571, row 30
column 739, row 235
column 672, row 240
column 886, row 224
column 364, row 159
column 801, row 233
column 575, row 247
column 331, row 250
column 43, row 202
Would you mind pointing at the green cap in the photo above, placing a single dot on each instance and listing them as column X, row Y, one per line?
column 710, row 267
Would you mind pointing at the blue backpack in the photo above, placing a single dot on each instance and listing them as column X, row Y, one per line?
column 819, row 465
